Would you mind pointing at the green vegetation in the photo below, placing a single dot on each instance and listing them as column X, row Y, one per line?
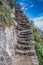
column 11, row 3
column 38, row 44
column 5, row 14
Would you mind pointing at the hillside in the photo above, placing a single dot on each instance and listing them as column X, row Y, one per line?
column 15, row 45
column 38, row 42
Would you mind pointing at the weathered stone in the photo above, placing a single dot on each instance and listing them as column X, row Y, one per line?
column 24, row 46
column 5, row 59
column 6, row 45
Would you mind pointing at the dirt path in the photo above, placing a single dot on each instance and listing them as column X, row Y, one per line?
column 23, row 60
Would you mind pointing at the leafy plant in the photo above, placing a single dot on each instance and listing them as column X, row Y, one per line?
column 11, row 3
column 5, row 14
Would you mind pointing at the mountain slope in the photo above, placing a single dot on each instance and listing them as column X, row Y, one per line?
column 38, row 44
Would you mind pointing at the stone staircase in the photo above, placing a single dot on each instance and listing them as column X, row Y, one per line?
column 24, row 46
column 24, row 33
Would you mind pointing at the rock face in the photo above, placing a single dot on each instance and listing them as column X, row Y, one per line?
column 24, row 49
column 6, row 45
column 4, row 57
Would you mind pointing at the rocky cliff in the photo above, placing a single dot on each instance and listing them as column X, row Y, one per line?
column 16, row 47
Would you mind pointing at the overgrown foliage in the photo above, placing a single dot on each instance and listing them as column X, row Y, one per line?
column 38, row 44
column 11, row 3
column 5, row 14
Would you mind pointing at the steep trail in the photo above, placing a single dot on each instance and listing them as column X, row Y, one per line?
column 24, row 49
column 16, row 47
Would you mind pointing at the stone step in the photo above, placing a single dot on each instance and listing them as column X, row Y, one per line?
column 16, row 18
column 27, row 27
column 20, row 29
column 26, row 30
column 23, row 19
column 18, row 10
column 24, row 39
column 23, row 36
column 29, row 45
column 16, row 14
column 22, row 22
column 22, row 42
column 23, row 25
column 23, row 30
column 23, row 47
column 21, row 52
column 22, row 15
